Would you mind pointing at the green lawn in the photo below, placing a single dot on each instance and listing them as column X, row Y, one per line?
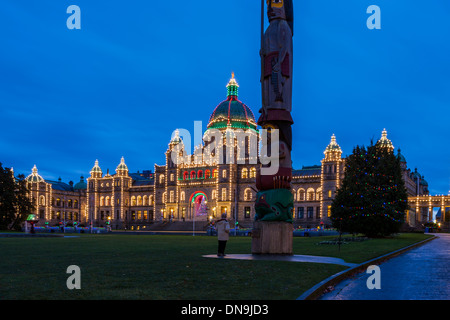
column 168, row 267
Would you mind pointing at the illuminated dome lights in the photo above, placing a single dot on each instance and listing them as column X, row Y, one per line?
column 96, row 169
column 384, row 142
column 232, row 113
column 34, row 177
column 333, row 150
column 122, row 166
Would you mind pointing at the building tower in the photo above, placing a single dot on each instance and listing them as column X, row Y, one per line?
column 331, row 177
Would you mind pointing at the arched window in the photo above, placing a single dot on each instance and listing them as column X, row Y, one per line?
column 207, row 174
column 253, row 172
column 215, row 173
column 294, row 193
column 133, row 200
column 200, row 174
column 172, row 177
column 193, row 174
column 310, row 194
column 75, row 204
column 139, row 200
column 214, row 194
column 185, row 175
column 102, row 201
column 42, row 201
column 248, row 194
column 58, row 202
column 301, row 194
column 224, row 173
column 161, row 179
column 150, row 200
column 182, row 196
column 172, row 196
column 69, row 203
column 164, row 197
column 107, row 201
column 318, row 194
column 145, row 200
column 244, row 173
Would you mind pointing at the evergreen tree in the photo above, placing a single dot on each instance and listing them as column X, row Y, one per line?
column 15, row 204
column 372, row 198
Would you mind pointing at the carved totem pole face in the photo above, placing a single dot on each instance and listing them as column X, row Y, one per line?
column 275, row 9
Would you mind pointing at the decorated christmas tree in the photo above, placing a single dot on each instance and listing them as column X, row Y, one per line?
column 372, row 199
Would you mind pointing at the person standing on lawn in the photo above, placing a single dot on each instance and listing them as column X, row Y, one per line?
column 223, row 234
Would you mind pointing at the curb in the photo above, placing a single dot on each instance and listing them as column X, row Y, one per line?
column 318, row 290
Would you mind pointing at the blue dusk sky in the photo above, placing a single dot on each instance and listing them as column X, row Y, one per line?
column 137, row 70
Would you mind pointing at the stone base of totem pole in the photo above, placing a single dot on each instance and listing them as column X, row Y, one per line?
column 272, row 237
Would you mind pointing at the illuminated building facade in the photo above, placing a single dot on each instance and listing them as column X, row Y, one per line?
column 215, row 179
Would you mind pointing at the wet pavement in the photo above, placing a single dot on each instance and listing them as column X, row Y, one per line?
column 293, row 258
column 421, row 273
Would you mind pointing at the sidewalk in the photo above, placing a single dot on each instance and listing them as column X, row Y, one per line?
column 418, row 274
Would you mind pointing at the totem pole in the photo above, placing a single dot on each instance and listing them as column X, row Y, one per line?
column 274, row 200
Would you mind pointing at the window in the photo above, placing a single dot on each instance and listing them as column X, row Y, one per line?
column 139, row 200
column 150, row 200
column 253, row 173
column 164, row 197
column 214, row 194
column 139, row 215
column 42, row 201
column 41, row 214
column 133, row 200
column 107, row 201
column 317, row 212
column 145, row 215
column 161, row 179
column 75, row 204
column 328, row 211
column 171, row 196
column 248, row 195
column 185, row 175
column 182, row 196
column 224, row 173
column 244, row 174
column 300, row 213
column 102, row 201
column 145, row 200
column 224, row 194
column 319, row 194
column 310, row 212
column 310, row 194
column 301, row 195
column 133, row 215
column 330, row 193
column 193, row 174
column 215, row 174
column 58, row 202
column 207, row 174
column 247, row 211
column 172, row 177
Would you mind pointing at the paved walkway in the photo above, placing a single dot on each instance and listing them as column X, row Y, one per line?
column 421, row 273
column 293, row 258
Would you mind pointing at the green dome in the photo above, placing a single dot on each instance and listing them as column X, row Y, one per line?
column 80, row 185
column 232, row 113
column 122, row 165
column 401, row 156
